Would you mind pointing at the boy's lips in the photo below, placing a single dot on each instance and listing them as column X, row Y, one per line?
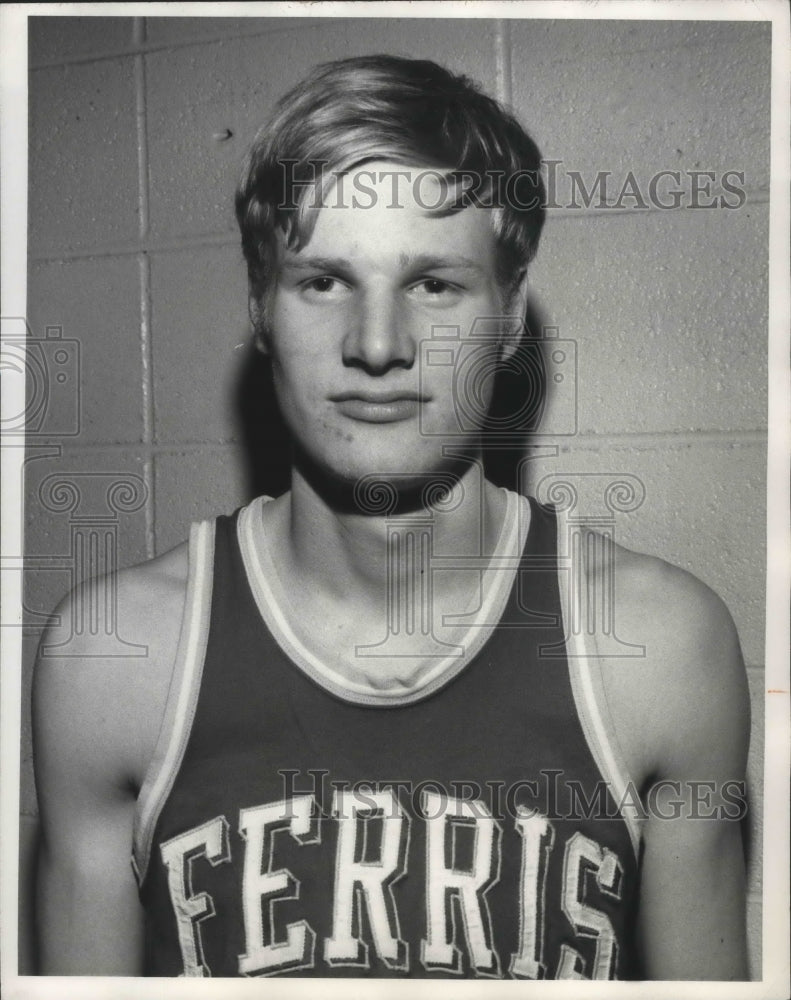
column 378, row 407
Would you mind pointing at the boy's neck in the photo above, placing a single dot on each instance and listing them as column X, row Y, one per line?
column 344, row 551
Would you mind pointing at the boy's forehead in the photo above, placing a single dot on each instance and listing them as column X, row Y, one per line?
column 370, row 212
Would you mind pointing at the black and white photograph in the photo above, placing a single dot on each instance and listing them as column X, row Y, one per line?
column 395, row 498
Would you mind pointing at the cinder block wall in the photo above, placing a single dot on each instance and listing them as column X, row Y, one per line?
column 137, row 127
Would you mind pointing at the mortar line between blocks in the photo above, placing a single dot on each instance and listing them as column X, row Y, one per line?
column 144, row 273
column 502, row 49
column 147, row 393
column 142, row 145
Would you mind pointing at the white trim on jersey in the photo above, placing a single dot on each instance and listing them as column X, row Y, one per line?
column 587, row 687
column 182, row 695
column 496, row 585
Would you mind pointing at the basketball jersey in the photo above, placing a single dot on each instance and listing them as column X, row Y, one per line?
column 294, row 824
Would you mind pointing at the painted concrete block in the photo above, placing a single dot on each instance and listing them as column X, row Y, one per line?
column 645, row 96
column 96, row 304
column 179, row 30
column 83, row 156
column 668, row 312
column 200, row 339
column 593, row 39
column 51, row 39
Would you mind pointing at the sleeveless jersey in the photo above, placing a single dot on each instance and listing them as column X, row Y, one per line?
column 478, row 826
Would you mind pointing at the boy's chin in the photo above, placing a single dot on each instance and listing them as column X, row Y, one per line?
column 407, row 493
column 387, row 486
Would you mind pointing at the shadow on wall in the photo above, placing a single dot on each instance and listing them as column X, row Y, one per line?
column 265, row 438
column 520, row 398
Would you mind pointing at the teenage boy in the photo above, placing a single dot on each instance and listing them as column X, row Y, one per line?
column 366, row 739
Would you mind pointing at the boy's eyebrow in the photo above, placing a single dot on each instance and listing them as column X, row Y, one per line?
column 436, row 262
column 420, row 262
column 297, row 262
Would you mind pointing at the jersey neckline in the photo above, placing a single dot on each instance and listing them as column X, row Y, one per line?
column 497, row 583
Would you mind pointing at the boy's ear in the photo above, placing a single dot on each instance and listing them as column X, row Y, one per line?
column 516, row 311
column 257, row 312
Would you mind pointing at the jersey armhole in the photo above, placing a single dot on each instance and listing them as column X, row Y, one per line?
column 587, row 684
column 182, row 695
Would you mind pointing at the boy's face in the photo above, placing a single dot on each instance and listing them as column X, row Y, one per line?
column 350, row 328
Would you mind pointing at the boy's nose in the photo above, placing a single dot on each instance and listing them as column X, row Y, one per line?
column 379, row 338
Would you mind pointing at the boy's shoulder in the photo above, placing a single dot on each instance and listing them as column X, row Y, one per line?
column 117, row 697
column 679, row 698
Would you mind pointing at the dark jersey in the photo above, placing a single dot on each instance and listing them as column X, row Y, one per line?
column 295, row 824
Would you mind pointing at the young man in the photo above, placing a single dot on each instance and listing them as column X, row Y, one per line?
column 367, row 739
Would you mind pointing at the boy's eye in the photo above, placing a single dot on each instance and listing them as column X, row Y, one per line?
column 434, row 286
column 436, row 291
column 321, row 284
column 323, row 287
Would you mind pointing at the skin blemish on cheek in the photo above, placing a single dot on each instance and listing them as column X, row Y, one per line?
column 336, row 431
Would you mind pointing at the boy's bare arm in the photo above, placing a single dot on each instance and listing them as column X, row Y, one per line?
column 683, row 716
column 95, row 724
